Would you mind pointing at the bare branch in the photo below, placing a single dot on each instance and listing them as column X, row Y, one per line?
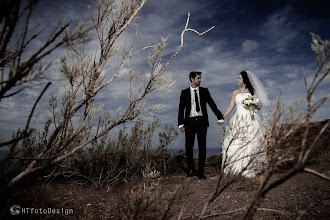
column 22, row 136
column 306, row 156
column 244, row 209
column 35, row 104
column 314, row 172
column 181, row 45
column 26, row 133
column 224, row 213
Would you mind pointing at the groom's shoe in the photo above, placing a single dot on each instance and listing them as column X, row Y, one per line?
column 201, row 176
column 190, row 173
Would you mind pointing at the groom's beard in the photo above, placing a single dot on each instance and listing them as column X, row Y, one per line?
column 196, row 83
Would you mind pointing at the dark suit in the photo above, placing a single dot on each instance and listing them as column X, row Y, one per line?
column 197, row 125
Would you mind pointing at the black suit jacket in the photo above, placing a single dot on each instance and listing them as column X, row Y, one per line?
column 185, row 105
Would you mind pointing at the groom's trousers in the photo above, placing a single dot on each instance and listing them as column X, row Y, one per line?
column 197, row 125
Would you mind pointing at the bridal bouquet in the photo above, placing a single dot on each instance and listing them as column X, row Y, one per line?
column 249, row 102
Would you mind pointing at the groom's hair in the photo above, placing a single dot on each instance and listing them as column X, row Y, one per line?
column 194, row 74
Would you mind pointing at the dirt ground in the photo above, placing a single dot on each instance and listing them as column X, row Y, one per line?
column 304, row 195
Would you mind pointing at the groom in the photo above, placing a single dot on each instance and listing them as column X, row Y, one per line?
column 193, row 119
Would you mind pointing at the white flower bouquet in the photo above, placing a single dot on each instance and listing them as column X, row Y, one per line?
column 249, row 102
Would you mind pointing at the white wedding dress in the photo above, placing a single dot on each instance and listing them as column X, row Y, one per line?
column 244, row 149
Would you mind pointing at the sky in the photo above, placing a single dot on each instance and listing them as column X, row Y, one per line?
column 270, row 38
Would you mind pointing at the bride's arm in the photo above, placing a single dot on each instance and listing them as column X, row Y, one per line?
column 231, row 105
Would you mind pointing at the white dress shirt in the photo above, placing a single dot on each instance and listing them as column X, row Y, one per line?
column 193, row 112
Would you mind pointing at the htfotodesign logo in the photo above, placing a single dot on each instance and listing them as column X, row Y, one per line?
column 15, row 210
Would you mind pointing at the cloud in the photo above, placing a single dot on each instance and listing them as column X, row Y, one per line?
column 249, row 46
column 219, row 54
column 279, row 30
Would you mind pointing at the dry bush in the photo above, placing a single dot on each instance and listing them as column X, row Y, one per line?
column 113, row 159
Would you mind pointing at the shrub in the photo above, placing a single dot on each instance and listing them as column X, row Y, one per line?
column 127, row 155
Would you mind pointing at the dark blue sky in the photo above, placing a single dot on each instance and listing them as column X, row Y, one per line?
column 269, row 38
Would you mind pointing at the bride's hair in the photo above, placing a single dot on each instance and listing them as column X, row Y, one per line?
column 247, row 82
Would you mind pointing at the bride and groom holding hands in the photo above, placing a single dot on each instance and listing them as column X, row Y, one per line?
column 243, row 150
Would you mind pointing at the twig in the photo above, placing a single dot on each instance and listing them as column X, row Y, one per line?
column 273, row 210
column 23, row 135
column 303, row 212
column 181, row 45
column 244, row 209
column 321, row 175
column 35, row 104
column 25, row 132
column 225, row 213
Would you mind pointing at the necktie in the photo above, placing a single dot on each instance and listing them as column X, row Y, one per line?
column 196, row 101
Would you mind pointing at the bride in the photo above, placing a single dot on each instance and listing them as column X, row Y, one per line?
column 244, row 150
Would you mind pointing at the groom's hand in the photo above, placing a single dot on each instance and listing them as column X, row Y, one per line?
column 221, row 122
column 182, row 129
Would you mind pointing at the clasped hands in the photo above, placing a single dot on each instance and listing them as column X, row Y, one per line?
column 219, row 123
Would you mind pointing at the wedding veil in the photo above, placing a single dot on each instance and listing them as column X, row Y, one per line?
column 260, row 92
